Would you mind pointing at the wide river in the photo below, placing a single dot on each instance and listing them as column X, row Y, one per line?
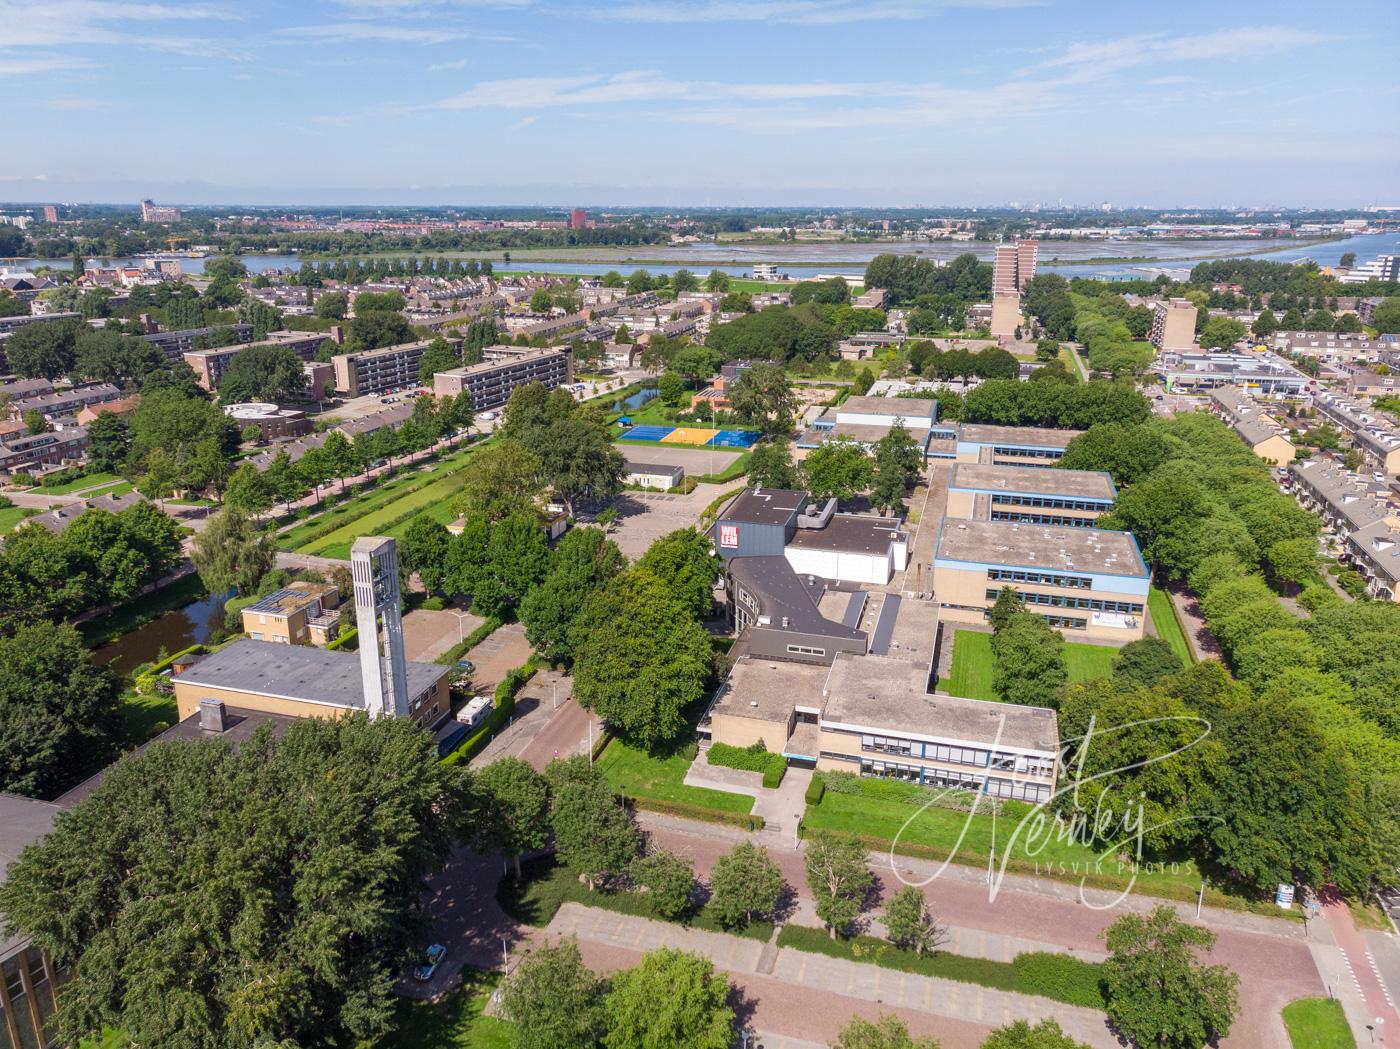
column 809, row 259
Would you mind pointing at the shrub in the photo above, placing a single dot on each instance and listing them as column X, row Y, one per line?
column 816, row 790
column 755, row 758
column 1061, row 977
column 6, row 502
column 1317, row 595
column 23, row 478
column 697, row 812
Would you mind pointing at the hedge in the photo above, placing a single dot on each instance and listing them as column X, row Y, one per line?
column 344, row 638
column 505, row 706
column 697, row 812
column 755, row 758
column 473, row 639
column 1061, row 978
column 816, row 790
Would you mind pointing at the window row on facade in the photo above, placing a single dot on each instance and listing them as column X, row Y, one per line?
column 944, row 778
column 1047, row 502
column 954, row 755
column 1091, row 604
column 1017, row 575
column 1042, row 519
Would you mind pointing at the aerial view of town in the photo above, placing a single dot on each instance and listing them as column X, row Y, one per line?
column 793, row 524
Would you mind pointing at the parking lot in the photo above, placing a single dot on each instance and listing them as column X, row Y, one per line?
column 644, row 517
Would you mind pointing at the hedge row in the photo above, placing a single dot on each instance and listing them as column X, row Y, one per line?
column 1058, row 977
column 473, row 639
column 697, row 812
column 755, row 758
column 816, row 790
column 505, row 706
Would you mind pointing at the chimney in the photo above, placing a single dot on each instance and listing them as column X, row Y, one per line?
column 211, row 715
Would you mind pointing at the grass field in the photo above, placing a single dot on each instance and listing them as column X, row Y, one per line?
column 969, row 838
column 144, row 717
column 548, row 886
column 119, row 488
column 388, row 494
column 1159, row 603
column 90, row 481
column 11, row 516
column 437, row 495
column 1317, row 1023
column 641, row 775
column 973, row 662
column 454, row 1021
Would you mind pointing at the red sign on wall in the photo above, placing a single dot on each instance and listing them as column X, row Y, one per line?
column 729, row 536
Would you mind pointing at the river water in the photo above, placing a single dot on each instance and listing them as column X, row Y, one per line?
column 808, row 260
column 192, row 624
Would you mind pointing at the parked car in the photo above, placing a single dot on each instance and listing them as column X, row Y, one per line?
column 432, row 958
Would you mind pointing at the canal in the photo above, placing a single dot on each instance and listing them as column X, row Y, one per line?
column 188, row 625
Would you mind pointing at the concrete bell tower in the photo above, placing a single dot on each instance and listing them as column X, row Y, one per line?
column 374, row 566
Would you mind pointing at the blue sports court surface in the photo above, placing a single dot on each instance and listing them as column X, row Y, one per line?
column 692, row 435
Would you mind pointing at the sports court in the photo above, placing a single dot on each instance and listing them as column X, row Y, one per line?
column 696, row 436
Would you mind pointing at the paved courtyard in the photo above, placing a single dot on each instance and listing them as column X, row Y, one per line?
column 644, row 517
column 428, row 634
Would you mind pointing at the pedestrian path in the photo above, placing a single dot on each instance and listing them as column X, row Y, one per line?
column 1360, row 987
column 832, row 976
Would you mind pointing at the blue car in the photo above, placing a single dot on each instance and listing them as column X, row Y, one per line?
column 432, row 958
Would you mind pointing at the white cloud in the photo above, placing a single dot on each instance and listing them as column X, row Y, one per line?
column 82, row 104
column 800, row 12
column 1103, row 56
column 31, row 64
column 347, row 32
column 66, row 23
column 443, row 67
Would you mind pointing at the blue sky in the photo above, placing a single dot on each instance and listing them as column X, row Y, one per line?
column 899, row 102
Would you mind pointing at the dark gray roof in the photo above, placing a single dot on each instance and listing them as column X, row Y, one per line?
column 22, row 821
column 296, row 672
column 652, row 468
column 855, row 533
column 782, row 593
column 766, row 506
column 60, row 517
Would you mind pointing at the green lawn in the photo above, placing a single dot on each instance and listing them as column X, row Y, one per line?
column 454, row 1021
column 641, row 775
column 374, row 499
column 119, row 488
column 972, row 664
column 935, row 833
column 548, row 886
column 89, row 481
column 144, row 717
column 438, row 495
column 1159, row 603
column 11, row 516
column 1317, row 1023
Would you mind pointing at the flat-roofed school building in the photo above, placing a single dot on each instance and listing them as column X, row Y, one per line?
column 1084, row 581
column 873, row 716
column 1011, row 445
column 1067, row 498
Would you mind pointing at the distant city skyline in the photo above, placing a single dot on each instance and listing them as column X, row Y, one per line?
column 766, row 103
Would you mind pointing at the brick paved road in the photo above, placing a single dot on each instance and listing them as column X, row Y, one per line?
column 1274, row 967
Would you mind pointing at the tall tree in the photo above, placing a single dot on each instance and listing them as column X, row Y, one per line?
column 763, row 395
column 1030, row 661
column 553, row 1000
column 438, row 357
column 1021, row 1035
column 838, row 877
column 291, row 865
column 744, row 884
column 668, row 879
column 262, row 372
column 839, row 469
column 910, row 924
column 771, row 465
column 1159, row 993
column 897, row 464
column 593, row 833
column 504, row 479
column 233, row 552
column 639, row 659
column 58, row 712
column 685, row 561
column 672, row 1000
column 584, row 560
column 515, row 809
column 423, row 549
